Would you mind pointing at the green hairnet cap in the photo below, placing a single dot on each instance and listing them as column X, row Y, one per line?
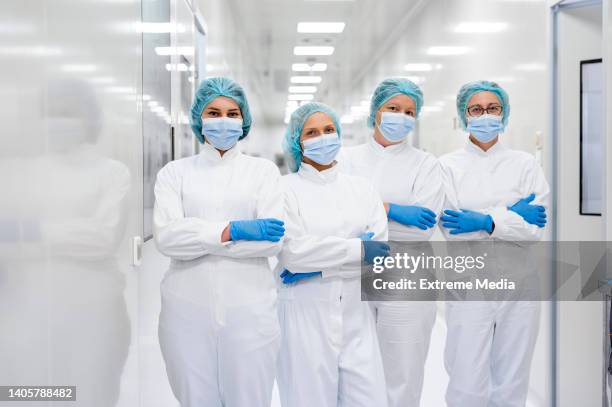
column 392, row 87
column 209, row 90
column 470, row 89
column 291, row 142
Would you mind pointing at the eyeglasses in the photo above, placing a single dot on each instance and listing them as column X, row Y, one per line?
column 477, row 110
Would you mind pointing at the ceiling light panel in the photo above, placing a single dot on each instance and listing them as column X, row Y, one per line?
column 302, row 89
column 320, row 27
column 300, row 67
column 313, row 50
column 306, row 79
column 298, row 96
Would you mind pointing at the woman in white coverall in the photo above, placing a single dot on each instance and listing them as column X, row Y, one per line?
column 409, row 182
column 218, row 217
column 497, row 195
column 329, row 352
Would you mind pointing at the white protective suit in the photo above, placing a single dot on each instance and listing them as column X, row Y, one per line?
column 402, row 175
column 218, row 327
column 490, row 344
column 329, row 351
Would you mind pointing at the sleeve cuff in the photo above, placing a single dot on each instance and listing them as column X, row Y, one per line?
column 351, row 262
column 353, row 252
column 500, row 216
column 211, row 235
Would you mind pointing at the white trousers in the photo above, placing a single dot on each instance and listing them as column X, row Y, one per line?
column 219, row 357
column 488, row 353
column 329, row 351
column 404, row 333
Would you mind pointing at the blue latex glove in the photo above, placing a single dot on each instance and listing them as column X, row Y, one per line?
column 372, row 249
column 367, row 236
column 466, row 221
column 533, row 214
column 257, row 229
column 408, row 215
column 290, row 278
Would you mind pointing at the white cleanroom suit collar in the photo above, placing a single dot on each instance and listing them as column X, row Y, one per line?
column 211, row 154
column 322, row 177
column 389, row 150
column 495, row 148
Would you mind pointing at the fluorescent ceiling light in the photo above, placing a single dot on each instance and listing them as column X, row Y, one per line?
column 418, row 67
column 306, row 79
column 302, row 89
column 297, row 96
column 300, row 67
column 480, row 27
column 320, row 27
column 447, row 50
column 312, row 50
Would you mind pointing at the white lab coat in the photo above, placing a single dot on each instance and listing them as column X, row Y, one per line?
column 402, row 175
column 490, row 344
column 329, row 351
column 218, row 326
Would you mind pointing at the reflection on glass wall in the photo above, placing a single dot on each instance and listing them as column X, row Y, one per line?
column 68, row 86
column 184, row 66
column 157, row 131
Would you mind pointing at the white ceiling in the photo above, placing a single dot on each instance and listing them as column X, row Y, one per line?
column 270, row 30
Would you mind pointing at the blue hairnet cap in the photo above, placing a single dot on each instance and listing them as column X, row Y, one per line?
column 209, row 90
column 392, row 87
column 470, row 89
column 291, row 142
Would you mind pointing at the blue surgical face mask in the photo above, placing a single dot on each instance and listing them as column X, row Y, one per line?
column 395, row 126
column 323, row 149
column 486, row 127
column 222, row 132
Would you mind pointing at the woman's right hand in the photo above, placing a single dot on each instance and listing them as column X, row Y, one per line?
column 257, row 229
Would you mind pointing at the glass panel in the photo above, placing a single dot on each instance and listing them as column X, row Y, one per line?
column 157, row 137
column 185, row 69
column 591, row 138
